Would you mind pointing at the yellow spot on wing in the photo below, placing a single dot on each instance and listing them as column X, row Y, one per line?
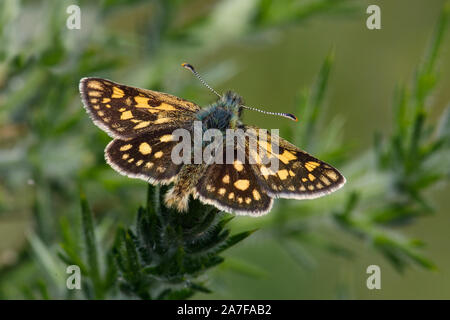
column 106, row 100
column 267, row 172
column 238, row 165
column 141, row 102
column 139, row 162
column 125, row 156
column 222, row 191
column 95, row 93
column 159, row 154
column 149, row 165
column 125, row 147
column 117, row 93
column 331, row 174
column 242, row 184
column 162, row 120
column 304, row 179
column 248, row 200
column 166, row 138
column 231, row 195
column 256, row 195
column 145, row 148
column 311, row 177
column 95, row 85
column 126, row 115
column 311, row 165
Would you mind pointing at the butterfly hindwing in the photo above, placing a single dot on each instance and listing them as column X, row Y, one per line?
column 147, row 156
column 126, row 112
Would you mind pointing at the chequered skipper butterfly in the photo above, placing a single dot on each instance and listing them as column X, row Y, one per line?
column 141, row 123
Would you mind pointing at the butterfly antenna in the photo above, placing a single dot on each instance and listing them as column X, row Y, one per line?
column 281, row 114
column 191, row 68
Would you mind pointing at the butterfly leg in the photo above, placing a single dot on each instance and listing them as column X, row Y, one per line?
column 178, row 196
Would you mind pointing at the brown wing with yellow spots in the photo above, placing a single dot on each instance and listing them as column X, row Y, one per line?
column 126, row 112
column 291, row 172
column 147, row 157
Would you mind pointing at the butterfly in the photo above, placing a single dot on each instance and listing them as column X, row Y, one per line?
column 142, row 124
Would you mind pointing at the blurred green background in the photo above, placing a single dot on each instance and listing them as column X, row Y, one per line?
column 269, row 52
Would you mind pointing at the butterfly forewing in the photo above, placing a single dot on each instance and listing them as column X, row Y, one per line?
column 126, row 112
